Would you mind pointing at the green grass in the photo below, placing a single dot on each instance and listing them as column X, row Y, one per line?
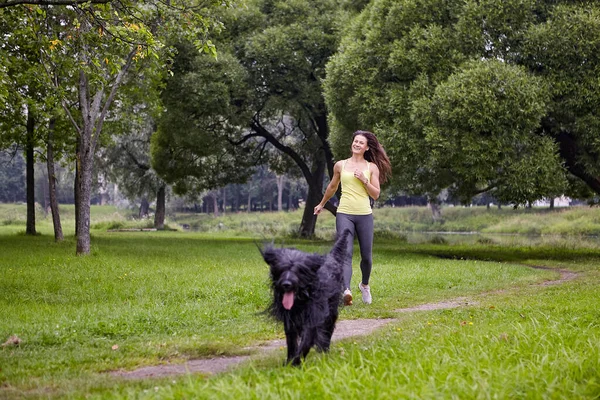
column 390, row 223
column 172, row 296
column 397, row 222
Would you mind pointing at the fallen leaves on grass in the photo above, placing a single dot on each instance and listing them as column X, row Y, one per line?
column 14, row 340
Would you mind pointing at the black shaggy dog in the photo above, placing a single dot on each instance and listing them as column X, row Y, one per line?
column 307, row 293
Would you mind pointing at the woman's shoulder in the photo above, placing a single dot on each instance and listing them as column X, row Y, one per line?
column 339, row 164
column 372, row 166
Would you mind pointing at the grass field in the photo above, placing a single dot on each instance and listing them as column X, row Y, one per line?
column 397, row 223
column 148, row 298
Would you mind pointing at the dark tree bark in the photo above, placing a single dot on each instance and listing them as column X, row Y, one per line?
column 235, row 206
column 144, row 208
column 313, row 197
column 280, row 185
column 85, row 165
column 215, row 203
column 434, row 206
column 58, row 234
column 572, row 152
column 159, row 215
column 30, row 178
column 76, row 190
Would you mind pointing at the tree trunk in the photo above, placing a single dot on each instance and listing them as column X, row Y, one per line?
column 235, row 202
column 103, row 189
column 30, row 175
column 45, row 194
column 215, row 203
column 434, row 205
column 249, row 201
column 313, row 197
column 58, row 234
column 94, row 109
column 280, row 184
column 290, row 204
column 159, row 215
column 571, row 152
column 76, row 190
column 84, row 187
column 552, row 203
column 224, row 200
column 144, row 208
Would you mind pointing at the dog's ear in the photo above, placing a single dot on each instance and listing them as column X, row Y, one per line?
column 270, row 255
column 314, row 261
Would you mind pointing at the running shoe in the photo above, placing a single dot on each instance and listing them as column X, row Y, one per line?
column 366, row 293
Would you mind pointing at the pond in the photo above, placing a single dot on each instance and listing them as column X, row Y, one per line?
column 508, row 239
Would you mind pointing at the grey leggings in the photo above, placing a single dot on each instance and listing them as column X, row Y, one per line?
column 361, row 227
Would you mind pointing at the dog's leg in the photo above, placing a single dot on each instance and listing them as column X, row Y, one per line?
column 328, row 328
column 291, row 337
column 306, row 342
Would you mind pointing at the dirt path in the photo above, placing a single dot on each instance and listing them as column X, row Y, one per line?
column 344, row 329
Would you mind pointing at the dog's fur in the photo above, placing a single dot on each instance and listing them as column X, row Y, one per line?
column 307, row 292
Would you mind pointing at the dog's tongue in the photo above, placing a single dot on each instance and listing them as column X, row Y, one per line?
column 288, row 300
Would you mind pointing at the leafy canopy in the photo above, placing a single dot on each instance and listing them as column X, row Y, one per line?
column 473, row 95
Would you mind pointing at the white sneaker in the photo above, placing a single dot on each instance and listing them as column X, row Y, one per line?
column 347, row 297
column 366, row 293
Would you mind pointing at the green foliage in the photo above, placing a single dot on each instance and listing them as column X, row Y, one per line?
column 473, row 95
column 473, row 129
column 564, row 51
column 260, row 102
column 189, row 149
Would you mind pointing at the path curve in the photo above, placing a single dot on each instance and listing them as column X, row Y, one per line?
column 344, row 329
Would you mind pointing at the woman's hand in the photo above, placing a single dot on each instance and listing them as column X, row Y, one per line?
column 318, row 209
column 358, row 174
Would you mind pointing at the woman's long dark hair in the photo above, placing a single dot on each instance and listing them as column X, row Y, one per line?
column 376, row 154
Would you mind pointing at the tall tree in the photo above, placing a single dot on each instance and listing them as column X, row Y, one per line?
column 474, row 95
column 272, row 75
column 21, row 117
column 88, row 49
column 127, row 161
column 188, row 149
column 58, row 233
column 286, row 65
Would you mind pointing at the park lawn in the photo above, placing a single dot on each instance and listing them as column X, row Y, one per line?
column 171, row 296
column 507, row 225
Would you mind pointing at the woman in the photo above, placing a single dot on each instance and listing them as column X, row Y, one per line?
column 360, row 176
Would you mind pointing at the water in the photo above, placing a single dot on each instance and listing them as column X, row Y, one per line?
column 509, row 239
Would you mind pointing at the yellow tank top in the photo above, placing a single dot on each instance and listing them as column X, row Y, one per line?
column 355, row 198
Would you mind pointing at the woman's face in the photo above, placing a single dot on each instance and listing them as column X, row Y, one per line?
column 359, row 144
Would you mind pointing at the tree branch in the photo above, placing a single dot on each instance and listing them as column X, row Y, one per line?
column 261, row 131
column 133, row 158
column 112, row 94
column 244, row 139
column 10, row 3
column 484, row 190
